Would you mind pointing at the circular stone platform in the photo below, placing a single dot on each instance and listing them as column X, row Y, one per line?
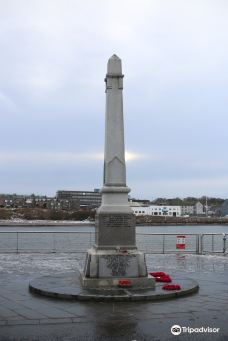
column 68, row 286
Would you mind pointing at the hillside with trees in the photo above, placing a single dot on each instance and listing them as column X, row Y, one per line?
column 189, row 201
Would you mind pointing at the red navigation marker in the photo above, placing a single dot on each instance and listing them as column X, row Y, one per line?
column 180, row 244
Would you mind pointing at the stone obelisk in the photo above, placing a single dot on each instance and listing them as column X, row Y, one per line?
column 114, row 254
column 115, row 219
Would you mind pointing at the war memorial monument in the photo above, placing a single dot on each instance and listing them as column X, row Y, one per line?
column 114, row 268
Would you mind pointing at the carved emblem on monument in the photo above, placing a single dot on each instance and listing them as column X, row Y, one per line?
column 117, row 264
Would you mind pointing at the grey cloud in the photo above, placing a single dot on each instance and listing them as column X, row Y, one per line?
column 53, row 62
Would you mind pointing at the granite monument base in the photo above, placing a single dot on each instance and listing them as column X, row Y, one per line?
column 104, row 268
column 68, row 286
column 112, row 283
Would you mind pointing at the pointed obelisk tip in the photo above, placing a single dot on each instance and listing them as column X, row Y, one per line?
column 114, row 65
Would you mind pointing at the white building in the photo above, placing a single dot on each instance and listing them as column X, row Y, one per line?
column 187, row 210
column 174, row 211
column 199, row 208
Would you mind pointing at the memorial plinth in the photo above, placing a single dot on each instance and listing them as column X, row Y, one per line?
column 115, row 254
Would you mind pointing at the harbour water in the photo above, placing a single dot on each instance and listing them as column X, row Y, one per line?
column 139, row 229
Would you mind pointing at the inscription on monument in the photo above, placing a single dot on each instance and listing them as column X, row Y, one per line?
column 118, row 264
column 118, row 220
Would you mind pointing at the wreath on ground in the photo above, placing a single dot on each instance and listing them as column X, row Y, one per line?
column 165, row 278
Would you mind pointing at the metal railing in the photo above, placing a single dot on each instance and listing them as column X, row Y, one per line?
column 79, row 242
column 166, row 243
column 213, row 243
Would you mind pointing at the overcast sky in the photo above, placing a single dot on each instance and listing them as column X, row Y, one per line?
column 53, row 62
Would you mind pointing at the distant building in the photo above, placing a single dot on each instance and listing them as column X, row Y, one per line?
column 87, row 199
column 12, row 200
column 63, row 204
column 173, row 211
column 199, row 208
column 37, row 201
column 2, row 202
column 224, row 208
column 140, row 202
column 187, row 210
column 42, row 201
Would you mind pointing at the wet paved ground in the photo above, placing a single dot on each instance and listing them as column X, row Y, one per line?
column 24, row 316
